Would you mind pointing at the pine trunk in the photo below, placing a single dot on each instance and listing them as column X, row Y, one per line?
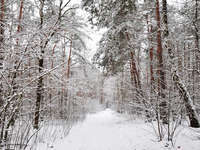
column 133, row 68
column 134, row 71
column 160, row 72
column 150, row 32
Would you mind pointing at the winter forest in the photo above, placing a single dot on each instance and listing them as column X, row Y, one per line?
column 99, row 74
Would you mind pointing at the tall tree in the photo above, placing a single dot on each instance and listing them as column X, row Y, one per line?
column 151, row 50
column 39, row 92
column 160, row 72
column 2, row 32
column 2, row 14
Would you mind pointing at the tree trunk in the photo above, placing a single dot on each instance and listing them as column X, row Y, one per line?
column 50, row 91
column 102, row 91
column 69, row 60
column 160, row 72
column 196, row 28
column 1, row 46
column 197, row 51
column 2, row 116
column 134, row 71
column 190, row 108
column 2, row 33
column 150, row 32
column 39, row 91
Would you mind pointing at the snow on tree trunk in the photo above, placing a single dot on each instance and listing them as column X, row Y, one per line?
column 160, row 72
column 1, row 33
column 190, row 108
column 39, row 92
column 1, row 45
column 151, row 49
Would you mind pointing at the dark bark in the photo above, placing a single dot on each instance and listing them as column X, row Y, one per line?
column 133, row 69
column 2, row 32
column 43, row 45
column 196, row 25
column 2, row 116
column 101, row 91
column 161, row 73
column 39, row 92
column 20, row 18
column 1, row 45
column 165, row 19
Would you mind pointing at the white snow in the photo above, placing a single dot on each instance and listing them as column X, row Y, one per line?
column 108, row 130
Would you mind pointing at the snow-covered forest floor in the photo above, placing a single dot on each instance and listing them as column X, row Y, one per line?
column 108, row 130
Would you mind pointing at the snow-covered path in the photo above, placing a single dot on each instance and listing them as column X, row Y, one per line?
column 107, row 130
column 101, row 131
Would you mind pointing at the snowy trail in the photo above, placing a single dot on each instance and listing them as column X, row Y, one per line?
column 107, row 130
column 100, row 131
